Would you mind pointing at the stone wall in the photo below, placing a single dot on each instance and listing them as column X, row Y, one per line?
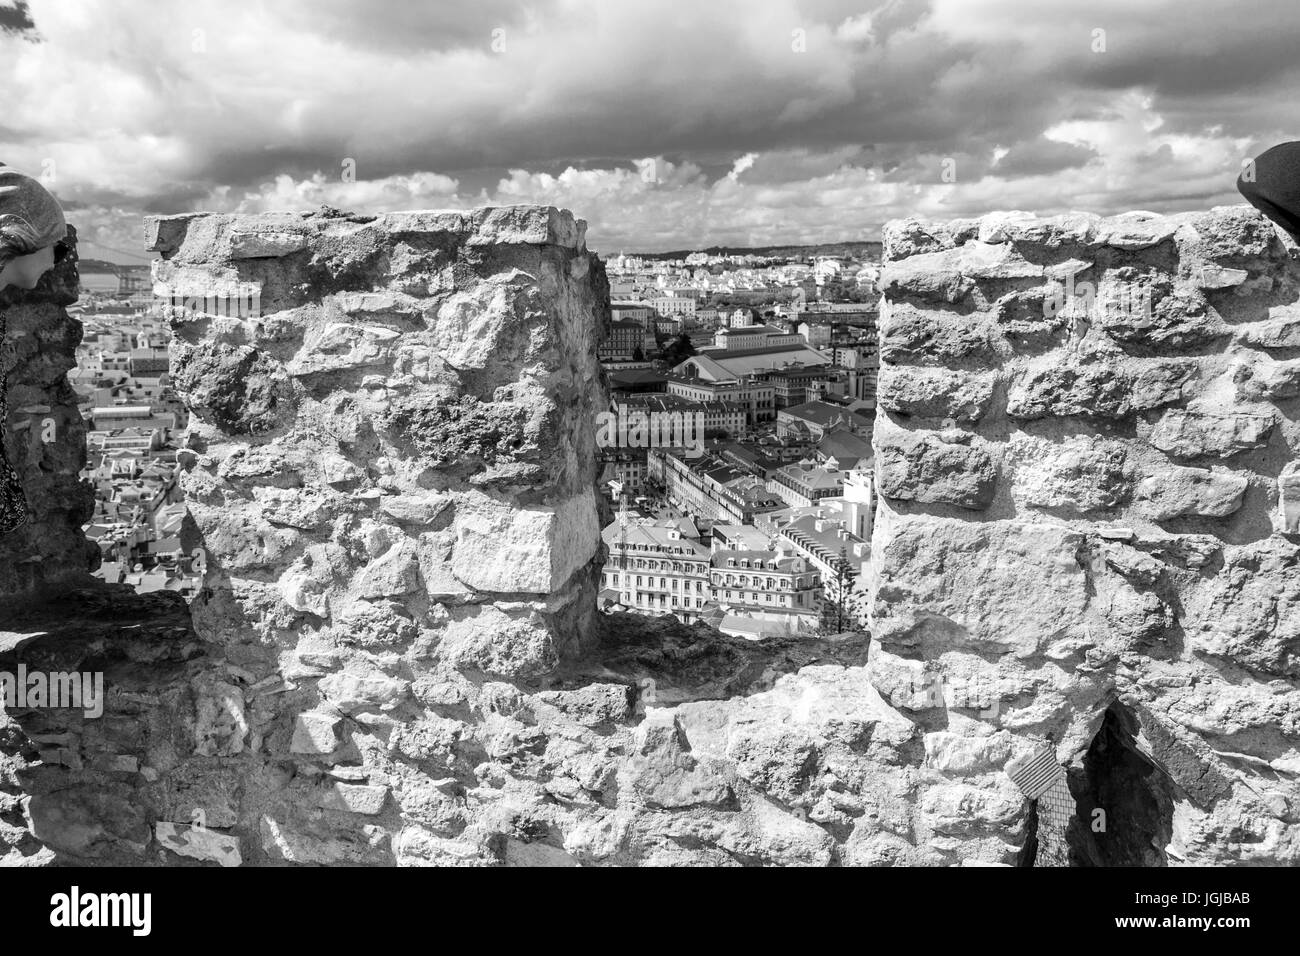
column 1085, row 457
column 396, row 659
column 393, row 460
column 45, row 439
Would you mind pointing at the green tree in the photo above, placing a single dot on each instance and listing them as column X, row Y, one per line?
column 838, row 614
column 678, row 350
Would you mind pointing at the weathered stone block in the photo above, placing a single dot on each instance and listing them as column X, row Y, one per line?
column 910, row 336
column 1249, row 613
column 315, row 733
column 1190, row 433
column 354, row 798
column 1214, row 276
column 1036, row 393
column 950, row 274
column 933, row 469
column 529, row 550
column 1080, row 473
column 935, row 393
column 45, row 440
column 1179, row 320
column 1176, row 492
column 355, row 690
column 510, row 641
column 1007, row 585
column 1281, row 331
column 1266, row 380
column 258, row 245
column 1136, row 230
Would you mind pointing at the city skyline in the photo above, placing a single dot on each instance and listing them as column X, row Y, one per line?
column 665, row 125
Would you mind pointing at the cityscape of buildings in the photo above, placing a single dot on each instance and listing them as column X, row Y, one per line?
column 133, row 420
column 761, row 529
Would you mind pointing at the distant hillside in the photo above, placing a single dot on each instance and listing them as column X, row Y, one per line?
column 859, row 250
column 97, row 265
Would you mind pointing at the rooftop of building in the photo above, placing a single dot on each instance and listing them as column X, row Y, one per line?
column 676, row 403
column 664, row 540
column 636, row 376
column 753, row 330
column 720, row 471
column 722, row 384
column 753, row 560
column 750, row 537
column 824, row 414
column 813, row 476
column 847, row 448
column 122, row 411
column 826, row 541
column 745, row 362
column 771, row 350
column 746, row 454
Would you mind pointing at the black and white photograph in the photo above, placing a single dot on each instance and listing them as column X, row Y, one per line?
column 654, row 435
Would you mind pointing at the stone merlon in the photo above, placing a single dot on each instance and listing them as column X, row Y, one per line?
column 1083, row 454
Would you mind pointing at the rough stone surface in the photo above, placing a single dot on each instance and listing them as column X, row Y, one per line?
column 937, row 393
column 1199, row 492
column 418, row 396
column 1134, row 566
column 45, row 439
column 938, row 468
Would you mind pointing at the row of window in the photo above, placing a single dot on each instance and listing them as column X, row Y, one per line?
column 752, row 598
column 676, row 566
column 743, row 580
column 655, row 549
column 756, row 563
column 643, row 599
column 708, row 395
column 648, row 600
column 801, row 582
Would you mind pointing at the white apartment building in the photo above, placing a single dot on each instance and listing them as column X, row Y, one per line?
column 832, row 533
column 757, row 398
column 818, row 336
column 674, row 305
column 755, row 337
column 656, row 569
column 764, row 592
column 805, row 483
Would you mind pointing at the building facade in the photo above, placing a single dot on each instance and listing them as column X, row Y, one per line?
column 758, row 399
column 654, row 569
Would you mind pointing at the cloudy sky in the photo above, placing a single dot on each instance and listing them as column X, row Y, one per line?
column 666, row 124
